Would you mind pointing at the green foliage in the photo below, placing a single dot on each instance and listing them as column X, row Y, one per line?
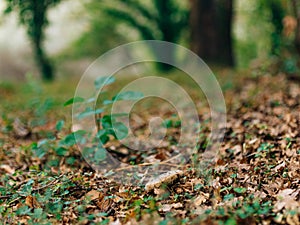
column 102, row 34
column 107, row 123
column 252, row 41
column 164, row 19
column 73, row 100
column 103, row 81
column 157, row 20
column 240, row 190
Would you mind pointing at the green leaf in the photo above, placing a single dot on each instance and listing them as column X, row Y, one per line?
column 168, row 123
column 61, row 151
column 37, row 213
column 106, row 122
column 71, row 160
column 89, row 111
column 103, row 136
column 230, row 221
column 128, row 95
column 100, row 154
column 69, row 140
column 228, row 197
column 59, row 125
column 23, row 210
column 107, row 102
column 164, row 222
column 73, row 100
column 87, row 151
column 240, row 190
column 54, row 207
column 120, row 130
column 103, row 81
column 91, row 100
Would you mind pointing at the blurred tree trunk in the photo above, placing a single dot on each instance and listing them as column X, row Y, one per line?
column 277, row 15
column 225, row 20
column 203, row 29
column 37, row 34
column 43, row 62
column 295, row 4
column 165, row 21
column 33, row 15
column 168, row 30
column 211, row 27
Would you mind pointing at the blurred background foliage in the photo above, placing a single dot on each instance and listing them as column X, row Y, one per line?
column 227, row 33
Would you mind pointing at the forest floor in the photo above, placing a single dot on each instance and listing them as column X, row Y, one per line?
column 254, row 180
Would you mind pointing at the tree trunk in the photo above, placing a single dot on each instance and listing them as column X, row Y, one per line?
column 37, row 36
column 203, row 29
column 295, row 4
column 211, row 27
column 224, row 18
column 277, row 15
column 43, row 63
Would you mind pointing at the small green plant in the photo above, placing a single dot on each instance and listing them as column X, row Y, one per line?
column 264, row 149
column 107, row 124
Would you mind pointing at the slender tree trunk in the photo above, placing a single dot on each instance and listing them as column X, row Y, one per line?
column 43, row 62
column 295, row 4
column 211, row 27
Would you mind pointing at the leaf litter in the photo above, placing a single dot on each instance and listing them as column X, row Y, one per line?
column 255, row 179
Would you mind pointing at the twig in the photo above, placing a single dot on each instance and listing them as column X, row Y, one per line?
column 98, row 118
column 5, row 196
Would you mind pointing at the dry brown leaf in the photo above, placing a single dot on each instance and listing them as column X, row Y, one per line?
column 201, row 198
column 168, row 207
column 286, row 199
column 7, row 169
column 165, row 178
column 92, row 195
column 104, row 204
column 20, row 128
column 31, row 202
column 280, row 167
column 292, row 220
column 117, row 222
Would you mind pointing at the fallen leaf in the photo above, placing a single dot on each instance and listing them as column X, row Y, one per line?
column 168, row 207
column 280, row 167
column 7, row 169
column 165, row 178
column 31, row 202
column 20, row 128
column 92, row 195
column 202, row 198
column 286, row 199
column 103, row 203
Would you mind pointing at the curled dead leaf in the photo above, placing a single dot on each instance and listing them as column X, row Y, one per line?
column 31, row 202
